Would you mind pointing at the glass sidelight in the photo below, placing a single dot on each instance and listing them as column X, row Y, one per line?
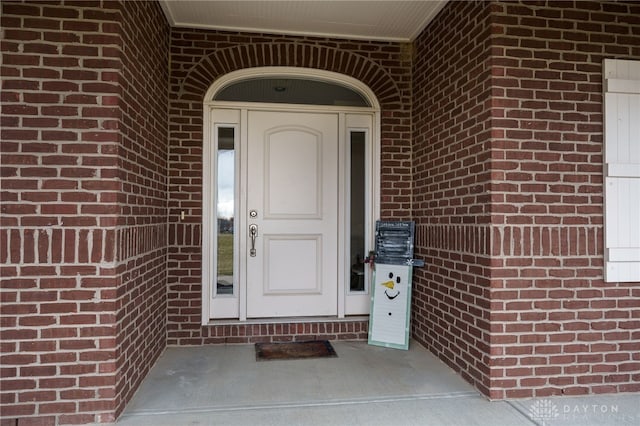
column 225, row 208
column 357, row 142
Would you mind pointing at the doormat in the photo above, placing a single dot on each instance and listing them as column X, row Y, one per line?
column 294, row 350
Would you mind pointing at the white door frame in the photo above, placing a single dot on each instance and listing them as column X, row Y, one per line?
column 234, row 114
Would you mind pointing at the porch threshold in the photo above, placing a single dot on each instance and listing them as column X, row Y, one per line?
column 288, row 320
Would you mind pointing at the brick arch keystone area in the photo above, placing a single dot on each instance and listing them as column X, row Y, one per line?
column 199, row 78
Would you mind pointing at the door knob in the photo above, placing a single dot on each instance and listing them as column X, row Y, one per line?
column 253, row 234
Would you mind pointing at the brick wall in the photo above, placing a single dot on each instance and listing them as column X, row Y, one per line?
column 451, row 167
column 142, row 224
column 69, row 233
column 198, row 58
column 557, row 328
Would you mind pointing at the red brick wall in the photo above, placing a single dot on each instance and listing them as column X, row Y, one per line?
column 198, row 58
column 76, row 157
column 142, row 230
column 557, row 328
column 451, row 167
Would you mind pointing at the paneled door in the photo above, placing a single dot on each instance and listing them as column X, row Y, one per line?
column 292, row 214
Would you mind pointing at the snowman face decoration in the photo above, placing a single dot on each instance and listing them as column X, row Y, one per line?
column 391, row 292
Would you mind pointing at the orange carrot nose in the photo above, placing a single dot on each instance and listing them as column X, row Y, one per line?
column 389, row 285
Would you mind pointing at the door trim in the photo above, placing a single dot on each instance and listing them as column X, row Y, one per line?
column 235, row 115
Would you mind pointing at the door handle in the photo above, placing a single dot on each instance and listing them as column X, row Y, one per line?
column 253, row 233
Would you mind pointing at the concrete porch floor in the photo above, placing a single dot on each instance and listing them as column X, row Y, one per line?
column 365, row 385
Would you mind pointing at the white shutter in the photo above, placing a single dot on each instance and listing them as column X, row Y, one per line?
column 622, row 170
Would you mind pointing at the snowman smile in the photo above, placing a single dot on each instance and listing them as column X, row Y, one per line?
column 391, row 297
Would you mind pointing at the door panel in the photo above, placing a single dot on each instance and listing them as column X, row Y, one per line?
column 293, row 162
column 283, row 277
column 292, row 180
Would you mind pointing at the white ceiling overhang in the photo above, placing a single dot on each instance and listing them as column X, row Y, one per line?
column 390, row 20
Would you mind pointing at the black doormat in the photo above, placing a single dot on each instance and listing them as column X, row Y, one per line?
column 294, row 350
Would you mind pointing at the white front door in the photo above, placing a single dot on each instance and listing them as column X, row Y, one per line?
column 292, row 204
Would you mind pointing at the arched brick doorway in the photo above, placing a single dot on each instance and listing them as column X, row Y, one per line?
column 383, row 67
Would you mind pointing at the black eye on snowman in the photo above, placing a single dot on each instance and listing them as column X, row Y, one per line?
column 390, row 275
column 398, row 280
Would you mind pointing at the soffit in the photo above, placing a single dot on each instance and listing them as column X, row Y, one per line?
column 391, row 20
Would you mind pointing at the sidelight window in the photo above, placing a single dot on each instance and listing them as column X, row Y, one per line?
column 225, row 211
column 357, row 218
